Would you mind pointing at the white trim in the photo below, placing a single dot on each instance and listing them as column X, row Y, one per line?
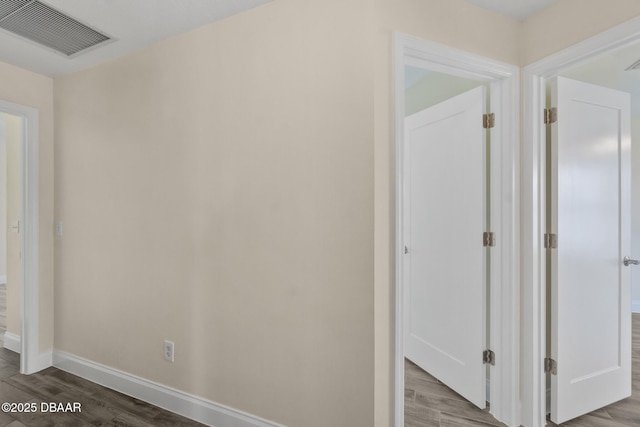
column 3, row 280
column 185, row 404
column 30, row 267
column 504, row 325
column 533, row 207
column 12, row 342
column 45, row 360
column 635, row 306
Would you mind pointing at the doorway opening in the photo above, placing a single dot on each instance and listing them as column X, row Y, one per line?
column 11, row 137
column 496, row 320
column 602, row 63
column 21, row 131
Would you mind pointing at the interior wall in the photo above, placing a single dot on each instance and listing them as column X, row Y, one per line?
column 460, row 25
column 13, row 135
column 216, row 190
column 30, row 89
column 568, row 22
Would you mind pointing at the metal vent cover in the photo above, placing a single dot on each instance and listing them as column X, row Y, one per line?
column 40, row 23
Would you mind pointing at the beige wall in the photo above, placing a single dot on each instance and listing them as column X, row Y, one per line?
column 216, row 190
column 26, row 88
column 13, row 133
column 568, row 22
column 455, row 23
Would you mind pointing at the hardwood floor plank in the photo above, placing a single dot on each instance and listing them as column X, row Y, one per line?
column 429, row 388
column 6, row 419
column 421, row 416
column 129, row 420
column 460, row 408
column 448, row 420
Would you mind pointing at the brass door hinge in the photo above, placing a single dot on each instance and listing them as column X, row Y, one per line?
column 550, row 366
column 488, row 120
column 550, row 241
column 488, row 357
column 550, row 115
column 488, row 238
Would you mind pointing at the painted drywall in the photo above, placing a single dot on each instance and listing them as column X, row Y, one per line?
column 216, row 190
column 13, row 138
column 30, row 89
column 567, row 22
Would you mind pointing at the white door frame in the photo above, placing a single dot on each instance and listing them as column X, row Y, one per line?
column 505, row 160
column 29, row 229
column 534, row 206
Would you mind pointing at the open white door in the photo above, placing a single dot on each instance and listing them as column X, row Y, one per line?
column 590, row 214
column 444, row 269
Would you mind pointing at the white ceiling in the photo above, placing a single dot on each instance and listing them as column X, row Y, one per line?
column 133, row 23
column 516, row 9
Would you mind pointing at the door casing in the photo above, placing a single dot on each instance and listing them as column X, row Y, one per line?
column 504, row 83
column 533, row 207
column 30, row 359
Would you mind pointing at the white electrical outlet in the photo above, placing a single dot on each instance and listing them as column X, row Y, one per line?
column 58, row 228
column 168, row 350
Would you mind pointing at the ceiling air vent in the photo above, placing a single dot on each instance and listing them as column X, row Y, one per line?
column 43, row 24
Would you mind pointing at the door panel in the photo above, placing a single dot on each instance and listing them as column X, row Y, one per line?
column 444, row 202
column 590, row 212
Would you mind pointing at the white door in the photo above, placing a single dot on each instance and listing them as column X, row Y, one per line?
column 444, row 212
column 590, row 213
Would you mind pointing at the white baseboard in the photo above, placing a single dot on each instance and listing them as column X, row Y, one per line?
column 12, row 342
column 185, row 404
column 45, row 360
column 3, row 280
column 635, row 306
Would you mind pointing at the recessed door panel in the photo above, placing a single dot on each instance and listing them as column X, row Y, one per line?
column 590, row 286
column 444, row 202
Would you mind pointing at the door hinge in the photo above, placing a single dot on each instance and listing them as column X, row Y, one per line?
column 488, row 238
column 550, row 366
column 488, row 120
column 550, row 241
column 406, row 250
column 550, row 115
column 488, row 357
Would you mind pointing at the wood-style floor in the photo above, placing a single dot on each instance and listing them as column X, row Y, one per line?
column 3, row 312
column 429, row 403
